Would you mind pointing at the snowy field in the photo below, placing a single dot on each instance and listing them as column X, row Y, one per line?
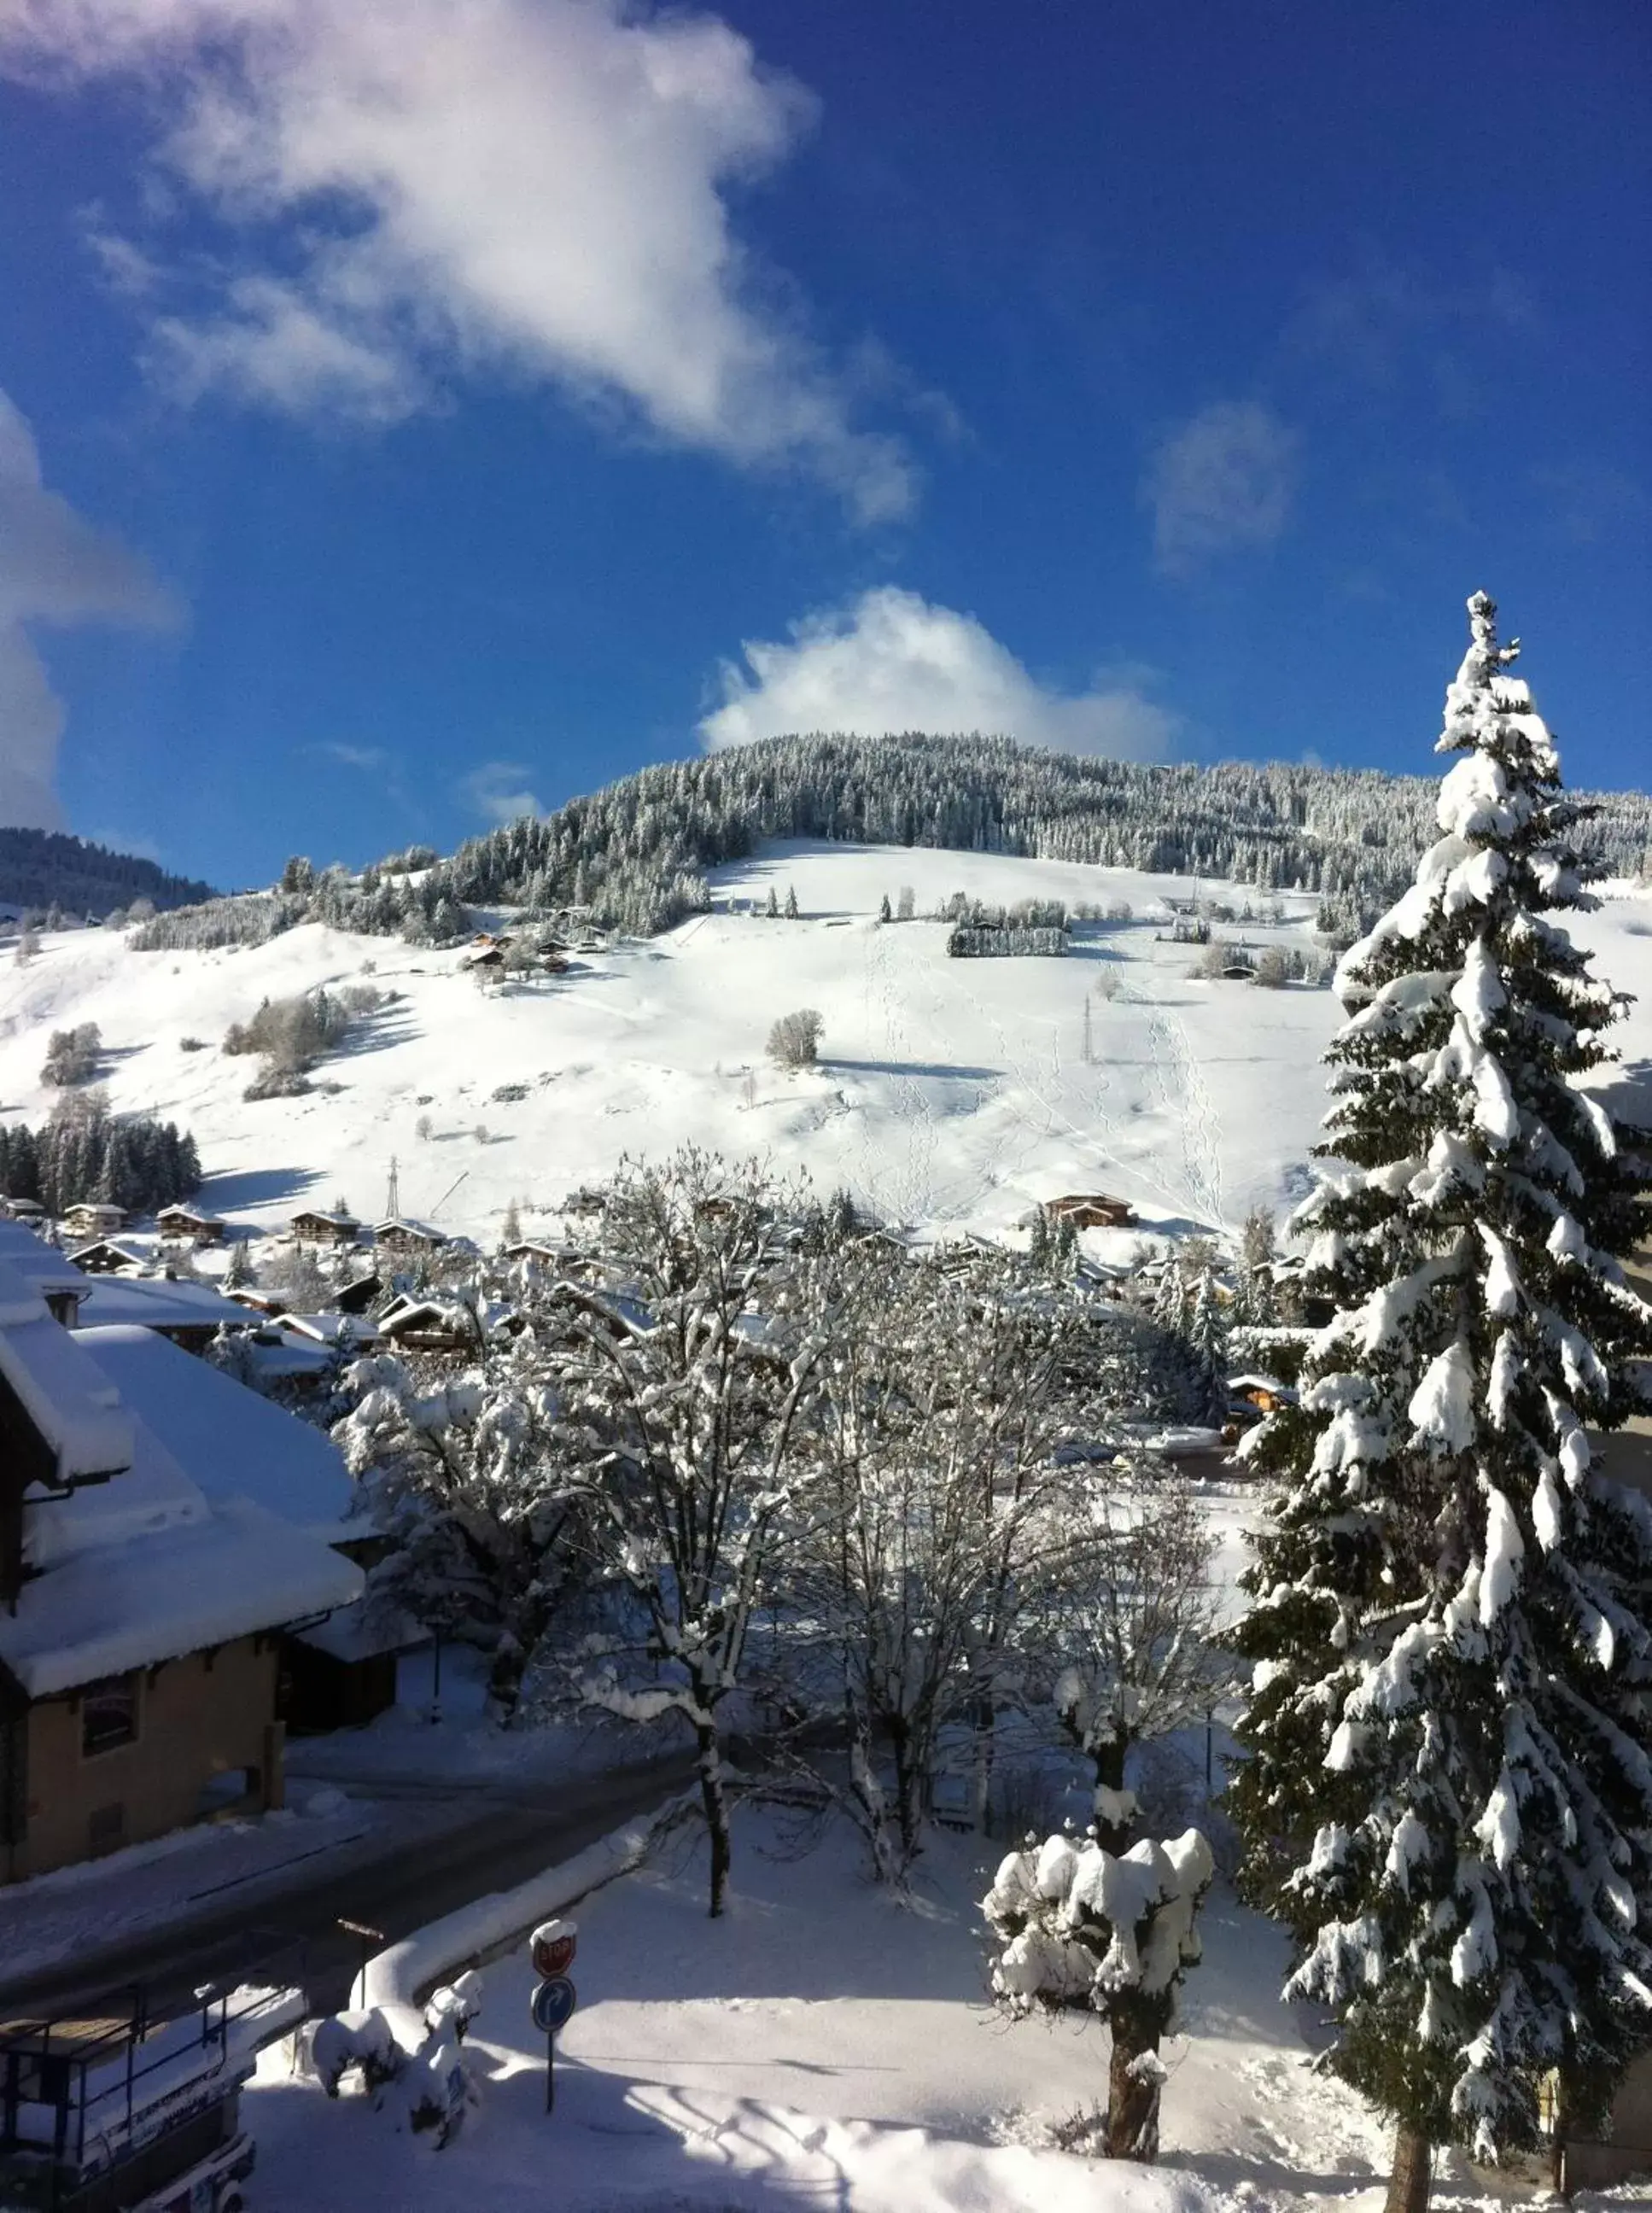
column 951, row 1094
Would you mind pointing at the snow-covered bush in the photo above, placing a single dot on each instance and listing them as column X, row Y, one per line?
column 1074, row 1926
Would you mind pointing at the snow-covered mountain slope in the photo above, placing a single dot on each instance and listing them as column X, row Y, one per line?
column 950, row 1093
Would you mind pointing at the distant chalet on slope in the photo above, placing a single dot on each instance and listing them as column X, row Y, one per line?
column 92, row 1218
column 1091, row 1211
column 314, row 1226
column 142, row 1591
column 402, row 1234
column 190, row 1225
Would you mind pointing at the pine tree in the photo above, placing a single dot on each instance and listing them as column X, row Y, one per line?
column 1257, row 1301
column 885, row 911
column 791, row 904
column 1449, row 1798
column 1207, row 1336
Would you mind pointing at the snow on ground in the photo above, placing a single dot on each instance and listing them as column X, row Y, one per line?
column 439, row 1738
column 823, row 2046
column 950, row 1093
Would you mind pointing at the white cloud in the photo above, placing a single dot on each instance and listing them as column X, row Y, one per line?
column 348, row 756
column 55, row 567
column 894, row 662
column 423, row 189
column 496, row 791
column 1225, row 480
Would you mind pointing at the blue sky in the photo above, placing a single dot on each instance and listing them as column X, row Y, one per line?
column 416, row 411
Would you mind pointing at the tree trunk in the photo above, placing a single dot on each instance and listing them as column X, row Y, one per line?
column 1132, row 2098
column 717, row 1812
column 1113, row 1836
column 909, row 1793
column 1408, row 2184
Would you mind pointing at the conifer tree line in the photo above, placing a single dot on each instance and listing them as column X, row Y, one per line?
column 1448, row 1796
column 44, row 871
column 634, row 855
column 85, row 1152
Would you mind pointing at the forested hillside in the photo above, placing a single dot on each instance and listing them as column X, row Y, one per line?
column 43, row 870
column 636, row 852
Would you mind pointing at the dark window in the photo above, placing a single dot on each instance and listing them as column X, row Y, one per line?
column 108, row 1713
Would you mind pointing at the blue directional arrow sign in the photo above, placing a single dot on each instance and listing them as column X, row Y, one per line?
column 553, row 2004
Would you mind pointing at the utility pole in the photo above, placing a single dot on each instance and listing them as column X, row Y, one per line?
column 1089, row 1043
column 392, row 1194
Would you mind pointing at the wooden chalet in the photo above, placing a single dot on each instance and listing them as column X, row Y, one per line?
column 22, row 1210
column 316, row 1226
column 430, row 1326
column 94, row 1217
column 413, row 1240
column 1093, row 1210
column 143, row 1591
column 189, row 1225
column 107, row 1256
column 1263, row 1395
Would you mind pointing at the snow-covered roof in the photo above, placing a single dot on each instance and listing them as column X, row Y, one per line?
column 407, row 1225
column 39, row 1263
column 158, row 1302
column 73, row 1404
column 330, row 1329
column 179, row 1211
column 114, row 1603
column 362, row 1631
column 228, row 1441
column 284, row 1358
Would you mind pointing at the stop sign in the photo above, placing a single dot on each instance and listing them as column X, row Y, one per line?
column 552, row 1947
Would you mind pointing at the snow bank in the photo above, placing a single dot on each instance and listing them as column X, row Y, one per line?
column 398, row 1975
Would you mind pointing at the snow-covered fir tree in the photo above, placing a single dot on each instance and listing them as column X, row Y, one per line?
column 1448, row 1795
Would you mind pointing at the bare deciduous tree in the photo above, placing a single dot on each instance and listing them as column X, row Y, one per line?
column 793, row 1042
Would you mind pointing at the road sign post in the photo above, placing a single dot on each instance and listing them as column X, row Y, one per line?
column 552, row 1947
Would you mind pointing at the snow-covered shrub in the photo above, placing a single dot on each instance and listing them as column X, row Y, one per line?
column 411, row 2068
column 1076, row 1927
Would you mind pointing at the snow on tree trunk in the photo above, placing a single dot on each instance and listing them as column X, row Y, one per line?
column 1449, row 1799
column 1076, row 1927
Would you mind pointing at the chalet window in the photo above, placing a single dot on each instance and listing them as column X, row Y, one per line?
column 108, row 1714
